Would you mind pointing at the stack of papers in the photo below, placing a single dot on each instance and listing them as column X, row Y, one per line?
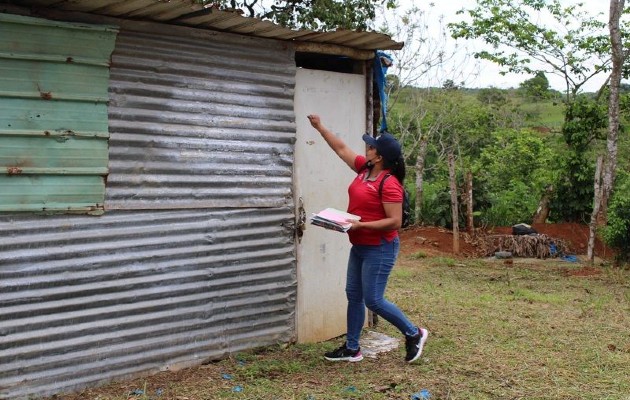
column 334, row 219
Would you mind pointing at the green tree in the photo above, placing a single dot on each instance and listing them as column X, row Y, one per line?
column 577, row 48
column 492, row 96
column 309, row 14
column 609, row 169
column 502, row 109
column 461, row 127
column 617, row 232
column 536, row 87
column 393, row 83
column 449, row 85
column 511, row 174
column 585, row 122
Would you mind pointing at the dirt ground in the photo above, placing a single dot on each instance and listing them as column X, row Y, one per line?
column 435, row 241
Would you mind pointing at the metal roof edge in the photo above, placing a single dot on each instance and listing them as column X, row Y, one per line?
column 193, row 15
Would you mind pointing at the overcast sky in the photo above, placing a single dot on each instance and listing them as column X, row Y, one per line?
column 486, row 74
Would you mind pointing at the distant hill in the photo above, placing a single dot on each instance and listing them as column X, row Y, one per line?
column 543, row 114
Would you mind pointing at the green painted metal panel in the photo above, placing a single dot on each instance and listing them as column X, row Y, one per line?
column 51, row 193
column 61, row 81
column 54, row 80
column 65, row 152
column 62, row 41
column 46, row 117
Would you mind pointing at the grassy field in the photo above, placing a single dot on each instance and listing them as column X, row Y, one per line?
column 531, row 330
column 546, row 114
column 543, row 113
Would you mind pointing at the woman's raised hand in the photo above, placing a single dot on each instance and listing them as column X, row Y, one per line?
column 314, row 120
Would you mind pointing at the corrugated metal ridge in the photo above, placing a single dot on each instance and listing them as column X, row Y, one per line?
column 188, row 13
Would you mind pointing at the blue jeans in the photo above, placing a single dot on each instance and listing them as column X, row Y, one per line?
column 368, row 270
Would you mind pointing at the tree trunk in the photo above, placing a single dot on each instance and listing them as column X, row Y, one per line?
column 422, row 153
column 597, row 201
column 610, row 166
column 542, row 212
column 470, row 220
column 452, row 178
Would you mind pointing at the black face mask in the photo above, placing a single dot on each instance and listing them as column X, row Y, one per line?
column 369, row 165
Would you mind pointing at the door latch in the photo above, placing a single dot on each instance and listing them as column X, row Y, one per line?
column 300, row 223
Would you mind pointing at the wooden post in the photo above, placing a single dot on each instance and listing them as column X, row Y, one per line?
column 369, row 86
column 597, row 200
column 422, row 152
column 542, row 213
column 454, row 203
column 470, row 221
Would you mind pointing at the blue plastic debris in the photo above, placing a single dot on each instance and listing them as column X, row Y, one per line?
column 424, row 394
column 227, row 376
column 237, row 389
column 570, row 258
column 137, row 392
column 553, row 249
column 351, row 389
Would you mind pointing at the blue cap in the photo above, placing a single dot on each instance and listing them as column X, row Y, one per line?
column 386, row 145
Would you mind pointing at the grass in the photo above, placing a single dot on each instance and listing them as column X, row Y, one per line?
column 544, row 113
column 526, row 331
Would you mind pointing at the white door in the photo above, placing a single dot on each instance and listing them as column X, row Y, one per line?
column 321, row 180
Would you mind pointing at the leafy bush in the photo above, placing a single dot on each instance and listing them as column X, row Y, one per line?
column 573, row 195
column 436, row 204
column 617, row 232
column 510, row 176
column 516, row 204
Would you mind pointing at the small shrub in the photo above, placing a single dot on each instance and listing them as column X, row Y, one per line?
column 444, row 261
column 418, row 255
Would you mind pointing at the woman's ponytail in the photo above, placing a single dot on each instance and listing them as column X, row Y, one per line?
column 398, row 168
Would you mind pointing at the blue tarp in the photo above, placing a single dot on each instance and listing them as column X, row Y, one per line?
column 382, row 62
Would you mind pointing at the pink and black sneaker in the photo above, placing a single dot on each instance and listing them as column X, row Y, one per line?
column 344, row 354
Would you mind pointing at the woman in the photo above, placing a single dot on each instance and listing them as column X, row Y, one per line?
column 374, row 239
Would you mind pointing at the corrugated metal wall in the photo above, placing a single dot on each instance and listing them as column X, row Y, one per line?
column 194, row 257
column 200, row 123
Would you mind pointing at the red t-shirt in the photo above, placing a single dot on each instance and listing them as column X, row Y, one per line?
column 366, row 202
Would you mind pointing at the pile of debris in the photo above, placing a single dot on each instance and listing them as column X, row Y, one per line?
column 530, row 246
column 524, row 242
